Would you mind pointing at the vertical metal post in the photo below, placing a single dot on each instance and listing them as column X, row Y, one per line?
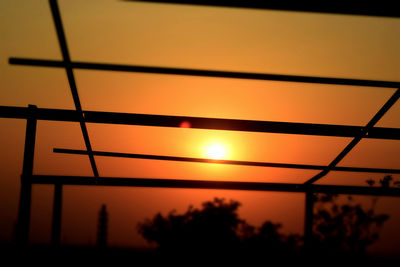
column 308, row 224
column 24, row 212
column 57, row 206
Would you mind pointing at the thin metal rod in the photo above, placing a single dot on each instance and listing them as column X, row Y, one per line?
column 202, row 123
column 224, row 185
column 202, row 73
column 392, row 100
column 308, row 220
column 71, row 79
column 57, row 208
column 366, row 9
column 24, row 210
column 229, row 162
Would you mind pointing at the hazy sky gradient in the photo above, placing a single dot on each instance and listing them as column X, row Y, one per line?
column 245, row 40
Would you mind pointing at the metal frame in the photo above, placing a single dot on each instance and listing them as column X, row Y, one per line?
column 32, row 114
column 71, row 80
column 367, row 9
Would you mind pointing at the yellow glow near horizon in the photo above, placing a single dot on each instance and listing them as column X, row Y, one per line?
column 216, row 150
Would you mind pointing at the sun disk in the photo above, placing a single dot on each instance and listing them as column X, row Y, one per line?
column 216, row 151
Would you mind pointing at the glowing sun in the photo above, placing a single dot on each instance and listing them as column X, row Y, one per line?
column 216, row 150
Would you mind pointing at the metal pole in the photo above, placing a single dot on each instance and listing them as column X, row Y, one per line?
column 57, row 206
column 308, row 224
column 199, row 72
column 71, row 80
column 364, row 132
column 24, row 212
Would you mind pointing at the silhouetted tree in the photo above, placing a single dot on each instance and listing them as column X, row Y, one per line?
column 215, row 228
column 385, row 182
column 268, row 240
column 340, row 229
column 344, row 229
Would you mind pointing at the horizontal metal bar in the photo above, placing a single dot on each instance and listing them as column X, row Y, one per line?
column 222, row 185
column 202, row 73
column 366, row 9
column 40, row 114
column 228, row 162
column 201, row 123
column 188, row 159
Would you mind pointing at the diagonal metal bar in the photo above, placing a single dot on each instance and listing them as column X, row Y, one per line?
column 71, row 80
column 202, row 73
column 366, row 9
column 228, row 162
column 201, row 123
column 392, row 100
column 224, row 185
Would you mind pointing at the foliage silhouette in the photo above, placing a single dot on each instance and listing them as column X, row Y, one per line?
column 345, row 229
column 385, row 182
column 215, row 228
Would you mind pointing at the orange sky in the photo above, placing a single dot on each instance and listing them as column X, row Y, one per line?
column 192, row 37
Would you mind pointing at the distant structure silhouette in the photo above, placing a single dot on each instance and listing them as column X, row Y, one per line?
column 102, row 227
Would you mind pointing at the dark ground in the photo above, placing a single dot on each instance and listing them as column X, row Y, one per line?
column 78, row 255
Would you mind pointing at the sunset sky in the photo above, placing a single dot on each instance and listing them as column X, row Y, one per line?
column 198, row 37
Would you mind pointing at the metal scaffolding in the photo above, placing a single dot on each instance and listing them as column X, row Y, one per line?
column 32, row 114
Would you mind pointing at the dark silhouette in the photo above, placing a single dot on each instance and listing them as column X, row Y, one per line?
column 344, row 230
column 386, row 182
column 216, row 228
column 213, row 227
column 102, row 227
column 268, row 241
